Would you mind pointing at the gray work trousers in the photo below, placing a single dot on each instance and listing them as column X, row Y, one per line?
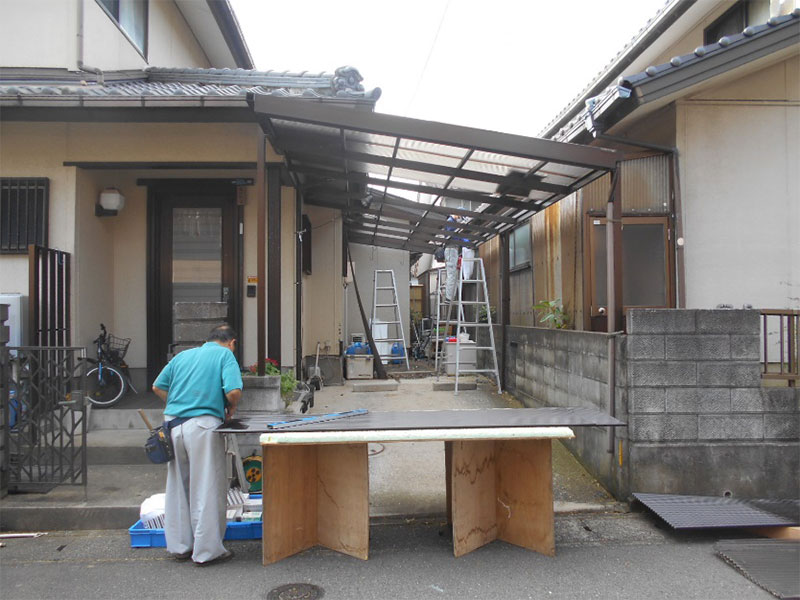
column 196, row 490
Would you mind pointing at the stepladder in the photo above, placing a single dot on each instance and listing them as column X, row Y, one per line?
column 387, row 322
column 473, row 352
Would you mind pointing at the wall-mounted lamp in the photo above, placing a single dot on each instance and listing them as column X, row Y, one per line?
column 110, row 202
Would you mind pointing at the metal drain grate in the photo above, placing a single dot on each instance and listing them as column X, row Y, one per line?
column 689, row 512
column 770, row 564
column 296, row 591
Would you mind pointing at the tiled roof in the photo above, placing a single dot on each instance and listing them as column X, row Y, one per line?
column 158, row 83
column 680, row 69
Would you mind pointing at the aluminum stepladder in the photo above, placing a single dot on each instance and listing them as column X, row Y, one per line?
column 380, row 291
column 472, row 327
column 443, row 308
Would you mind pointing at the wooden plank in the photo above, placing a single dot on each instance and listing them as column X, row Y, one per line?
column 525, row 494
column 473, row 495
column 289, row 505
column 448, row 470
column 343, row 499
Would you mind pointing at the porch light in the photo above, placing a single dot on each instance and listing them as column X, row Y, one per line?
column 110, row 202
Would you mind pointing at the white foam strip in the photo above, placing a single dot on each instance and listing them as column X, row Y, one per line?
column 415, row 435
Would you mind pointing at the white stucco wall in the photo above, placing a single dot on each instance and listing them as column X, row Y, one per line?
column 740, row 182
column 43, row 33
column 366, row 259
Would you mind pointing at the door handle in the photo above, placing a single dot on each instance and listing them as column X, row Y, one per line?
column 225, row 293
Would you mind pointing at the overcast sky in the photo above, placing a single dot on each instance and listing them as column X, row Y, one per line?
column 507, row 65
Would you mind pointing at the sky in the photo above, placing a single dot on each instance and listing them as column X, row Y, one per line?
column 505, row 65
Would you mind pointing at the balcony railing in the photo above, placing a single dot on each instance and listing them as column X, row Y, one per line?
column 781, row 339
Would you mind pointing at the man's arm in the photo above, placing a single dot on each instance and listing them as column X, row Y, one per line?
column 233, row 401
column 160, row 393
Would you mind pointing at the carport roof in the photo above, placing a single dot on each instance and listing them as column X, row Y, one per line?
column 397, row 179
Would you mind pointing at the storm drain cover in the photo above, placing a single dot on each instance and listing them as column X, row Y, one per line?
column 296, row 591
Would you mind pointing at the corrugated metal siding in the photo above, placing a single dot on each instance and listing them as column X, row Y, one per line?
column 490, row 252
column 521, row 284
column 571, row 239
column 645, row 188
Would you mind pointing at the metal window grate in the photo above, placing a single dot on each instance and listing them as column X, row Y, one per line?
column 24, row 210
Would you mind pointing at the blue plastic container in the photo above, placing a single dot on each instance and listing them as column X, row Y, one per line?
column 397, row 350
column 141, row 537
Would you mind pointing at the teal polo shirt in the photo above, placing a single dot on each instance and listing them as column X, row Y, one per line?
column 197, row 380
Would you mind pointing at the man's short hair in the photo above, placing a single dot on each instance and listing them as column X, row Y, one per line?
column 222, row 333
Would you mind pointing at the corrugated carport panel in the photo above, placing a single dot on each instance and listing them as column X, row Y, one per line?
column 645, row 187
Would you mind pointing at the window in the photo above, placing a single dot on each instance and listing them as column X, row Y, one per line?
column 131, row 17
column 519, row 247
column 23, row 213
column 736, row 18
column 646, row 266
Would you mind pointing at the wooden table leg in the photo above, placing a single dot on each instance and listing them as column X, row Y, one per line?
column 289, row 477
column 525, row 494
column 343, row 498
column 315, row 494
column 502, row 490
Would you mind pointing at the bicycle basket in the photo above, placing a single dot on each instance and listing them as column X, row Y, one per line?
column 116, row 347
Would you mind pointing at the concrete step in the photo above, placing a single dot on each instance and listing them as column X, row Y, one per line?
column 112, row 500
column 123, row 418
column 116, row 447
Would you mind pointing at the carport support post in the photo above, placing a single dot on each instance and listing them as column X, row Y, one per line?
column 261, row 255
column 613, row 288
column 505, row 303
column 274, row 262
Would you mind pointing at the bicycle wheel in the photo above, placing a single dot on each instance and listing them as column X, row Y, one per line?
column 106, row 387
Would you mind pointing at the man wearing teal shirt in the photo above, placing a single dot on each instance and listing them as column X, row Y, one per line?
column 202, row 385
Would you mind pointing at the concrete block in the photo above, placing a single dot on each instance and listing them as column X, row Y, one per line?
column 730, row 427
column 561, row 360
column 649, row 347
column 590, row 367
column 658, row 320
column 733, row 374
column 698, row 400
column 747, row 400
column 193, row 331
column 594, row 343
column 746, row 347
column 196, row 311
column 663, row 427
column 781, row 427
column 574, row 363
column 650, row 374
column 781, row 399
column 546, row 356
column 378, row 385
column 698, row 347
column 561, row 380
column 646, row 400
column 590, row 391
column 738, row 322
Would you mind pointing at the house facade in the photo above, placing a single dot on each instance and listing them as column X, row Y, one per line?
column 150, row 99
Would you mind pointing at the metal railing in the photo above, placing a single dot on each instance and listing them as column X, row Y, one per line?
column 44, row 417
column 781, row 328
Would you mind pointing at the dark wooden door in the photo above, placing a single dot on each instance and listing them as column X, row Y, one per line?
column 193, row 242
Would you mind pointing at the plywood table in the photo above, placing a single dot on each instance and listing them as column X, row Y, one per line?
column 498, row 467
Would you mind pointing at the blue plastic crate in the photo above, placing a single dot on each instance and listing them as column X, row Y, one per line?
column 141, row 537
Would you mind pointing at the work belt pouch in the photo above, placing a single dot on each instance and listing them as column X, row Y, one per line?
column 158, row 446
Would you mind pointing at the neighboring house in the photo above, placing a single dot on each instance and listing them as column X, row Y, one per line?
column 715, row 85
column 705, row 105
column 150, row 98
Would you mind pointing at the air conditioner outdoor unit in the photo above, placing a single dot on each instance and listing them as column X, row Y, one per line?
column 357, row 338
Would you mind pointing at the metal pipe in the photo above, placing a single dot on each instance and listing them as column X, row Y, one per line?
column 613, row 299
column 81, row 65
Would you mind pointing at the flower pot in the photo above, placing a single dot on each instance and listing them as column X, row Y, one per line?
column 261, row 394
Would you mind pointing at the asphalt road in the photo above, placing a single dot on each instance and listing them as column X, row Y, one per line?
column 598, row 556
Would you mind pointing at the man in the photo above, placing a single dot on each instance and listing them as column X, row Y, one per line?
column 451, row 251
column 204, row 385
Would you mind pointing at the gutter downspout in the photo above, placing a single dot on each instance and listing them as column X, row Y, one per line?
column 81, row 66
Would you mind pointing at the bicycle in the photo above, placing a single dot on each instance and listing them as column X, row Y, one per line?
column 108, row 380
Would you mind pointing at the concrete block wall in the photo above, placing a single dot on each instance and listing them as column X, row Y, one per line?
column 547, row 367
column 699, row 420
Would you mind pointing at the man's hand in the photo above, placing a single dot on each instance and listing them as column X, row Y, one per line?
column 233, row 401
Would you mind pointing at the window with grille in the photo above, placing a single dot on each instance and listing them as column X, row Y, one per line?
column 23, row 213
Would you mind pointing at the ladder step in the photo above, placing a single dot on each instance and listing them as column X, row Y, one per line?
column 385, row 288
column 472, row 302
column 460, row 371
column 376, row 340
column 384, row 305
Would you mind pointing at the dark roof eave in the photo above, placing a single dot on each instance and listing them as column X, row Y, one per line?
column 231, row 32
